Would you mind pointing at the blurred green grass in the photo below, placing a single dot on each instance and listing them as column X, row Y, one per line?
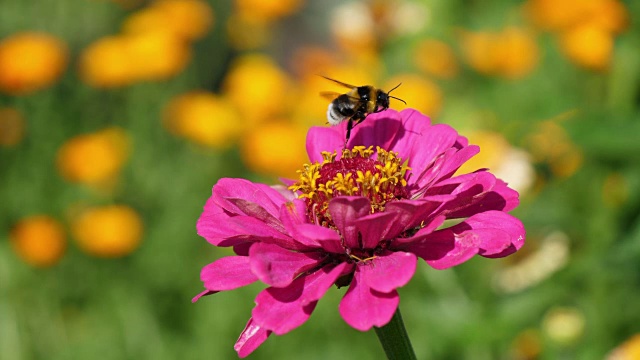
column 139, row 306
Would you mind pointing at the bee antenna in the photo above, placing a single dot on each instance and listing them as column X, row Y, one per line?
column 393, row 97
column 395, row 87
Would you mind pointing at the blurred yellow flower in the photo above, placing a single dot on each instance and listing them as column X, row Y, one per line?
column 588, row 45
column 107, row 63
column 258, row 88
column 109, row 231
column 419, row 93
column 93, row 158
column 204, row 118
column 12, row 127
column 275, row 149
column 39, row 240
column 267, row 10
column 511, row 53
column 436, row 58
column 157, row 55
column 550, row 144
column 564, row 325
column 30, row 61
column 629, row 350
column 187, row 19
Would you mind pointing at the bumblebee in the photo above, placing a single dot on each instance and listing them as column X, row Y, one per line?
column 355, row 105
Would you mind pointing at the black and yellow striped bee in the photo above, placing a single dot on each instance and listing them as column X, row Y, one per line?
column 355, row 105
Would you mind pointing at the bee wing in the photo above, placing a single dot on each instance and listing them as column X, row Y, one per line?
column 332, row 95
column 329, row 95
column 339, row 82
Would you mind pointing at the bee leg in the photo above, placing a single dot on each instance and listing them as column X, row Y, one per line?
column 349, row 127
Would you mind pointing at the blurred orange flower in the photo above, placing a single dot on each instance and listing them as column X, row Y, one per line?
column 586, row 27
column 419, row 93
column 275, row 149
column 267, row 10
column 436, row 58
column 12, row 127
column 39, row 240
column 157, row 55
column 107, row 63
column 609, row 15
column 258, row 88
column 30, row 61
column 187, row 19
column 93, row 158
column 109, row 231
column 511, row 53
column 121, row 60
column 204, row 118
column 588, row 45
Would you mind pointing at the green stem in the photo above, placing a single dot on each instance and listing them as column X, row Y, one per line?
column 394, row 339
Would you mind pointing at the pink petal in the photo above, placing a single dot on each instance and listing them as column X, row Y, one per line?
column 294, row 214
column 283, row 309
column 414, row 124
column 434, row 246
column 491, row 233
column 278, row 267
column 411, row 213
column 430, row 226
column 433, row 141
column 344, row 211
column 378, row 129
column 375, row 228
column 262, row 195
column 323, row 138
column 362, row 307
column 474, row 193
column 227, row 273
column 319, row 236
column 251, row 337
column 502, row 221
column 284, row 191
column 500, row 197
column 454, row 162
column 230, row 231
column 388, row 271
column 258, row 212
column 204, row 293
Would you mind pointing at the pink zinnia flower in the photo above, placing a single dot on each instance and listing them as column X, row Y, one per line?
column 358, row 217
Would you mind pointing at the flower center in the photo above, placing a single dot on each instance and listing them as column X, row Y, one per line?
column 356, row 173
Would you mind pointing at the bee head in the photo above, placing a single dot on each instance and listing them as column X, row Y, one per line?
column 382, row 99
column 387, row 96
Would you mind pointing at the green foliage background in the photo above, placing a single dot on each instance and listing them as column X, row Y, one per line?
column 139, row 307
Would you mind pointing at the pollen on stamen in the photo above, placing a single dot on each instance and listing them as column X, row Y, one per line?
column 356, row 173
